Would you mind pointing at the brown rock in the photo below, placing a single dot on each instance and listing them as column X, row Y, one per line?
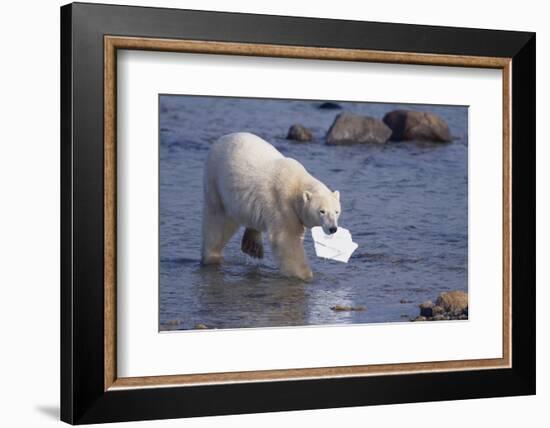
column 438, row 310
column 299, row 132
column 416, row 125
column 455, row 302
column 349, row 128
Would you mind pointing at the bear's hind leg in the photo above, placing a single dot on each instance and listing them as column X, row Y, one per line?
column 251, row 243
column 217, row 230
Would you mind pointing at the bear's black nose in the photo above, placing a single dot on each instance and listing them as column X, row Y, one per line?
column 333, row 230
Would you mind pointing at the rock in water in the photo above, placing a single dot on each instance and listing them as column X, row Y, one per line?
column 201, row 326
column 416, row 125
column 450, row 305
column 455, row 302
column 437, row 310
column 341, row 308
column 426, row 309
column 299, row 132
column 330, row 106
column 349, row 128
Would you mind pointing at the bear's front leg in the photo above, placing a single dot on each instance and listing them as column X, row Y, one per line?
column 290, row 253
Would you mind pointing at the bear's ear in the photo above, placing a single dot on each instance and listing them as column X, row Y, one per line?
column 307, row 196
column 337, row 195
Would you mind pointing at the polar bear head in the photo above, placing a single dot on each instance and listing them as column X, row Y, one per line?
column 321, row 207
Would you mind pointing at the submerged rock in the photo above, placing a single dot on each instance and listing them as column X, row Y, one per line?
column 348, row 308
column 201, row 326
column 416, row 125
column 299, row 132
column 349, row 128
column 330, row 106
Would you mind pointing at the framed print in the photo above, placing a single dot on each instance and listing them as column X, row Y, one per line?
column 266, row 213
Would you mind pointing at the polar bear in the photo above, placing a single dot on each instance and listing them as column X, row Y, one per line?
column 247, row 182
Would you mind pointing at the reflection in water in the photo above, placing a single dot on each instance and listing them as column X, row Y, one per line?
column 404, row 203
column 276, row 305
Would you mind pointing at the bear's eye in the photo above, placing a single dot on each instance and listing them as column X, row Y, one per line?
column 336, row 212
column 322, row 211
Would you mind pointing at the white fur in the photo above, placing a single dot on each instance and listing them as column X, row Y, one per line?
column 247, row 182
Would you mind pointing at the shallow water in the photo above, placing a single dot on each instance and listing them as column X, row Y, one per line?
column 404, row 203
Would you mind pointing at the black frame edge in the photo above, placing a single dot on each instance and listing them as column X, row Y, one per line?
column 524, row 213
column 66, row 306
column 305, row 31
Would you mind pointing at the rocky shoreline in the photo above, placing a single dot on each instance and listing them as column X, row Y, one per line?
column 452, row 305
